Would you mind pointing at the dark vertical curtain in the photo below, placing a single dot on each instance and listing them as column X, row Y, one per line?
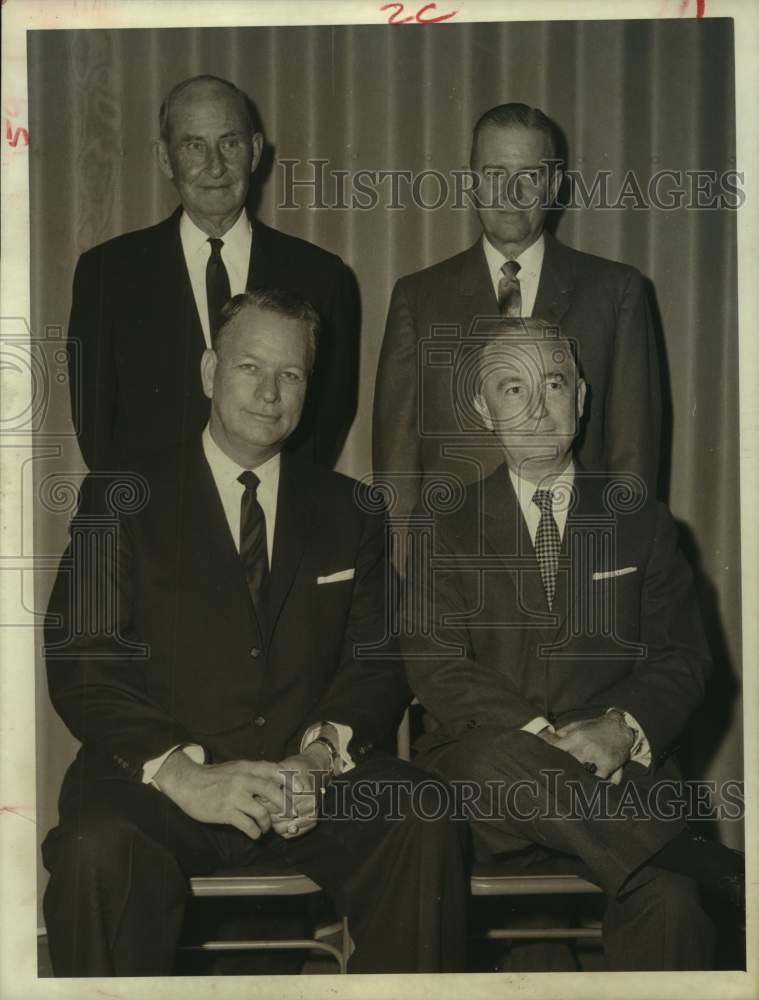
column 636, row 96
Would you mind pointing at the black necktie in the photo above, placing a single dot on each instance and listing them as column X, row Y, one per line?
column 253, row 550
column 547, row 543
column 218, row 291
column 509, row 290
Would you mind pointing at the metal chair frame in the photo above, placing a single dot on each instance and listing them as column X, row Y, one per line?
column 271, row 885
column 486, row 880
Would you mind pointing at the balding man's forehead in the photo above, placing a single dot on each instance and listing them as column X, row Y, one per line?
column 526, row 358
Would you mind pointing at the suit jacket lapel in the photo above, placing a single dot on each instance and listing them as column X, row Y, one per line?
column 582, row 534
column 211, row 555
column 177, row 291
column 475, row 284
column 295, row 515
column 506, row 534
column 556, row 284
column 264, row 268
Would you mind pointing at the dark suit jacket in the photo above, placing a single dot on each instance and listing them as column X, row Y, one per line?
column 599, row 303
column 181, row 590
column 495, row 655
column 135, row 378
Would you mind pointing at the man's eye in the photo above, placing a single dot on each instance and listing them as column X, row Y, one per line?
column 230, row 145
column 248, row 366
column 195, row 147
column 513, row 390
column 291, row 377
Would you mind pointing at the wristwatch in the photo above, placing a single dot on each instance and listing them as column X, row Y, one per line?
column 334, row 755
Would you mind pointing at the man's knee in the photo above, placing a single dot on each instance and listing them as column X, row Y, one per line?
column 659, row 925
column 97, row 838
column 672, row 903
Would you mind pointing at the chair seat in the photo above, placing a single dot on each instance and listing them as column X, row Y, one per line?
column 251, row 882
column 504, row 878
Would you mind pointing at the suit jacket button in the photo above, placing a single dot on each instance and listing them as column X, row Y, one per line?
column 255, row 652
column 259, row 721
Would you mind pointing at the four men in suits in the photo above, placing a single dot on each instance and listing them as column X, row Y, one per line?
column 515, row 268
column 228, row 644
column 251, row 590
column 560, row 650
column 146, row 294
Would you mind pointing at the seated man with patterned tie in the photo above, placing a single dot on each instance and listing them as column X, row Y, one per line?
column 222, row 650
column 560, row 650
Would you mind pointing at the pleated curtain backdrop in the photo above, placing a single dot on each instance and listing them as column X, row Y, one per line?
column 635, row 96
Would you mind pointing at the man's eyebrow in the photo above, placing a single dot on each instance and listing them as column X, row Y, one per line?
column 192, row 137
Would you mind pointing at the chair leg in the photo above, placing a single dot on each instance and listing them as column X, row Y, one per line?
column 346, row 946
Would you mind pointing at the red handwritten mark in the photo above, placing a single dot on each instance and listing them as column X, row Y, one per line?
column 684, row 6
column 12, row 137
column 433, row 20
column 395, row 17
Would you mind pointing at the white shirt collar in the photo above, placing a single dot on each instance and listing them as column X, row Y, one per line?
column 226, row 471
column 562, row 488
column 236, row 239
column 530, row 260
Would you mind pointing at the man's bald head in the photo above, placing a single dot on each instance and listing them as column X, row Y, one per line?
column 197, row 87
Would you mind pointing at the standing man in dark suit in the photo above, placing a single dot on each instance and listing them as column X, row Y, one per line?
column 157, row 293
column 515, row 269
column 228, row 644
column 562, row 656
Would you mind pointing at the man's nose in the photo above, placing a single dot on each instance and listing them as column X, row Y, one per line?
column 215, row 164
column 541, row 405
column 268, row 387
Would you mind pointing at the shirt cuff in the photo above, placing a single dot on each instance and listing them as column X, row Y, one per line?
column 338, row 734
column 640, row 751
column 537, row 725
column 151, row 767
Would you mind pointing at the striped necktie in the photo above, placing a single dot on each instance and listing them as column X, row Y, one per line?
column 253, row 551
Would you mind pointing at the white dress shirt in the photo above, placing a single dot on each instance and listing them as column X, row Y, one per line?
column 562, row 489
column 235, row 253
column 225, row 472
column 530, row 265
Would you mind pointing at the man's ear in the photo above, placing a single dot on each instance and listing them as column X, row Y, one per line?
column 482, row 409
column 161, row 153
column 582, row 388
column 257, row 146
column 208, row 365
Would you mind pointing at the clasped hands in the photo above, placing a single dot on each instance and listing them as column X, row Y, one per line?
column 604, row 742
column 253, row 796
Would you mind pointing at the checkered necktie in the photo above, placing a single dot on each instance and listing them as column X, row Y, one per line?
column 547, row 543
column 253, row 552
column 218, row 291
column 509, row 290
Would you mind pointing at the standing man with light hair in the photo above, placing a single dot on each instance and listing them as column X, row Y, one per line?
column 159, row 292
column 515, row 268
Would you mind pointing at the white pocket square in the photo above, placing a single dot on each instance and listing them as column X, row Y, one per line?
column 343, row 574
column 615, row 572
